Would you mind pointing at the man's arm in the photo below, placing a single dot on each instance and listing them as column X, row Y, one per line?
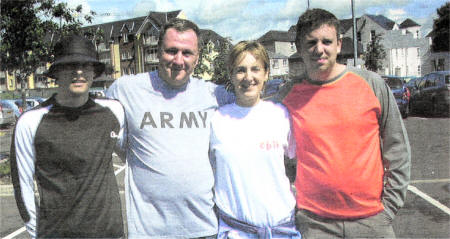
column 396, row 152
column 22, row 173
column 223, row 96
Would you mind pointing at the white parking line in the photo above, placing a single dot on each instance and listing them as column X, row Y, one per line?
column 22, row 229
column 445, row 180
column 429, row 199
column 16, row 233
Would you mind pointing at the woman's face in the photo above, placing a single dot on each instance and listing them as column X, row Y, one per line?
column 248, row 77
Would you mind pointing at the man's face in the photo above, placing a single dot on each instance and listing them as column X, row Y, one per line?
column 75, row 79
column 178, row 56
column 319, row 50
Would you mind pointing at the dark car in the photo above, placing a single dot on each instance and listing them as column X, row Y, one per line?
column 271, row 87
column 432, row 94
column 401, row 93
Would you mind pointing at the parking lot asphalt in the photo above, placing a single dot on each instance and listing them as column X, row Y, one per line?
column 426, row 212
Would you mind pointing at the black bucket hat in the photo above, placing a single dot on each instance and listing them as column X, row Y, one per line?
column 75, row 49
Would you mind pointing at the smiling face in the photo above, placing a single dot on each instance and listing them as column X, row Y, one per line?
column 75, row 79
column 178, row 56
column 248, row 77
column 319, row 50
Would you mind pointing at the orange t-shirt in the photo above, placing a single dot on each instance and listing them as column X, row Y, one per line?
column 339, row 168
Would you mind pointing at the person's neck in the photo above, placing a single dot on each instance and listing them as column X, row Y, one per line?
column 247, row 103
column 327, row 75
column 72, row 101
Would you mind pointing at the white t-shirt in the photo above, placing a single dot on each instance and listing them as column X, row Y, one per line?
column 169, row 179
column 247, row 146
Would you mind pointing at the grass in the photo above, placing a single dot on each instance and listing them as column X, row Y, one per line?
column 5, row 169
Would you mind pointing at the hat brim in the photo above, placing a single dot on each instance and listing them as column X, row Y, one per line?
column 99, row 67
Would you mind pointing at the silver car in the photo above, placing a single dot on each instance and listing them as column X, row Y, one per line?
column 7, row 116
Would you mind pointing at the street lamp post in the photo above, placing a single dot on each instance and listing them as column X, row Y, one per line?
column 355, row 40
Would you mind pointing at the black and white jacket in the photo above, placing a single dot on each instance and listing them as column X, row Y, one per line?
column 68, row 151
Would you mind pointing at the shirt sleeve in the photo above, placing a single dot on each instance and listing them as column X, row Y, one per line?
column 396, row 151
column 117, row 109
column 22, row 172
column 223, row 96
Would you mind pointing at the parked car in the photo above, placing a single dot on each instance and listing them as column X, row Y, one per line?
column 401, row 93
column 16, row 105
column 30, row 104
column 432, row 94
column 7, row 116
column 271, row 87
column 38, row 99
column 11, row 104
column 97, row 93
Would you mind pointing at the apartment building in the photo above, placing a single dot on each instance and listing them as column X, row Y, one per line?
column 127, row 47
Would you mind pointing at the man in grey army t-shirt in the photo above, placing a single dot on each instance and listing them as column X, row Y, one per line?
column 169, row 179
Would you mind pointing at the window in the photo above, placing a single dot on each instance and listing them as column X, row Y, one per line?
column 372, row 35
column 433, row 64
column 417, row 34
column 275, row 64
column 293, row 46
column 125, row 37
column 358, row 36
column 285, row 62
column 418, row 70
column 441, row 64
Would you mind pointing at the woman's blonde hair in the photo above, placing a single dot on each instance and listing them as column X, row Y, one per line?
column 252, row 47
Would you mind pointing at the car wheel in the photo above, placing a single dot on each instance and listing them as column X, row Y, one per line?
column 434, row 108
column 412, row 109
column 405, row 112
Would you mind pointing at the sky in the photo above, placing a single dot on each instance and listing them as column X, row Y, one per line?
column 250, row 19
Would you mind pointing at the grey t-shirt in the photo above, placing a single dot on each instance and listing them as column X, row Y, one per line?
column 169, row 180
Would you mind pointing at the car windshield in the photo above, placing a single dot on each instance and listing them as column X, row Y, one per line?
column 394, row 83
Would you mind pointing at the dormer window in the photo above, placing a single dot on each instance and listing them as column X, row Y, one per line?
column 125, row 37
column 372, row 35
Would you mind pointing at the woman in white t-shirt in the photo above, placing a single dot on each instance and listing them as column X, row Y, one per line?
column 249, row 140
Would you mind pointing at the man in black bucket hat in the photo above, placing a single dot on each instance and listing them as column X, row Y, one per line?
column 66, row 145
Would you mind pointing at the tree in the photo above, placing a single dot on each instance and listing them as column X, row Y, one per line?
column 218, row 65
column 375, row 54
column 441, row 28
column 28, row 31
column 221, row 75
column 202, row 67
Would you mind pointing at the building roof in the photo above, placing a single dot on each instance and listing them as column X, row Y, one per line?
column 346, row 24
column 133, row 25
column 210, row 35
column 273, row 35
column 273, row 55
column 295, row 56
column 408, row 23
column 383, row 21
column 347, row 47
column 114, row 29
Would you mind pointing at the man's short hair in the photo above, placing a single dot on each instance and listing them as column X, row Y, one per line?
column 181, row 25
column 313, row 19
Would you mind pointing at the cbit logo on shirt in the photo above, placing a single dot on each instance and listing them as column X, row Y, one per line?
column 182, row 120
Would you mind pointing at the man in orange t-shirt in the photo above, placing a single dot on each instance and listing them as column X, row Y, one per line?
column 353, row 152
